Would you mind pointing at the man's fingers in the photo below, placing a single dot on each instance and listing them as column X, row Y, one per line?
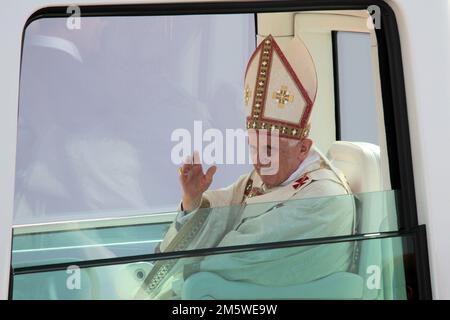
column 185, row 169
column 187, row 159
column 210, row 173
column 189, row 171
column 196, row 157
column 196, row 164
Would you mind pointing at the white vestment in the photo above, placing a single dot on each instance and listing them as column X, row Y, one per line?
column 315, row 203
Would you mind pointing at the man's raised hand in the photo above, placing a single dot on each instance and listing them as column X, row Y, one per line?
column 194, row 182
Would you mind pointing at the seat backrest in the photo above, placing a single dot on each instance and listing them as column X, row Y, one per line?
column 360, row 163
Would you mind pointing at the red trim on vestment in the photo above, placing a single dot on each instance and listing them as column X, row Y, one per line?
column 300, row 182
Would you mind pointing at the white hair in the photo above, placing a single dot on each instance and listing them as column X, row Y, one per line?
column 292, row 142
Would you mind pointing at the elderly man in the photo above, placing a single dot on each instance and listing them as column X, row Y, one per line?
column 269, row 204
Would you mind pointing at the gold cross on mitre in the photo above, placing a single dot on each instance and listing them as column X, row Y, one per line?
column 282, row 96
column 247, row 95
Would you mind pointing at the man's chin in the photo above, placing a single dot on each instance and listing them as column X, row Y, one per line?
column 269, row 181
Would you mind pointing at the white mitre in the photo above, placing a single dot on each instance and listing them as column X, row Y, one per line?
column 280, row 88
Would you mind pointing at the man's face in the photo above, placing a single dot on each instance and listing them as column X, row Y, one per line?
column 275, row 158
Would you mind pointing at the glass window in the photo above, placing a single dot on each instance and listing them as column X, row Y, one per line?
column 357, row 94
column 50, row 244
column 379, row 274
column 99, row 105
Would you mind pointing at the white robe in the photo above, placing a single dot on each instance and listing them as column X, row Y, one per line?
column 318, row 205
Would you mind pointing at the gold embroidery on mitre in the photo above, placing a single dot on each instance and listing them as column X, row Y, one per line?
column 247, row 94
column 261, row 80
column 282, row 96
column 285, row 129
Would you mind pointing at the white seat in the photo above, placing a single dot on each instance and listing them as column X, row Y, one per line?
column 361, row 164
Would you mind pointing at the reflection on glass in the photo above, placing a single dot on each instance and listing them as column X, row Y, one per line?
column 85, row 244
column 376, row 272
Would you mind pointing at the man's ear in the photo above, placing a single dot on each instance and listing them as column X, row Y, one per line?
column 305, row 146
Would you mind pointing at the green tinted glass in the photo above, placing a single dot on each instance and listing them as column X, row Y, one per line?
column 372, row 268
column 313, row 218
